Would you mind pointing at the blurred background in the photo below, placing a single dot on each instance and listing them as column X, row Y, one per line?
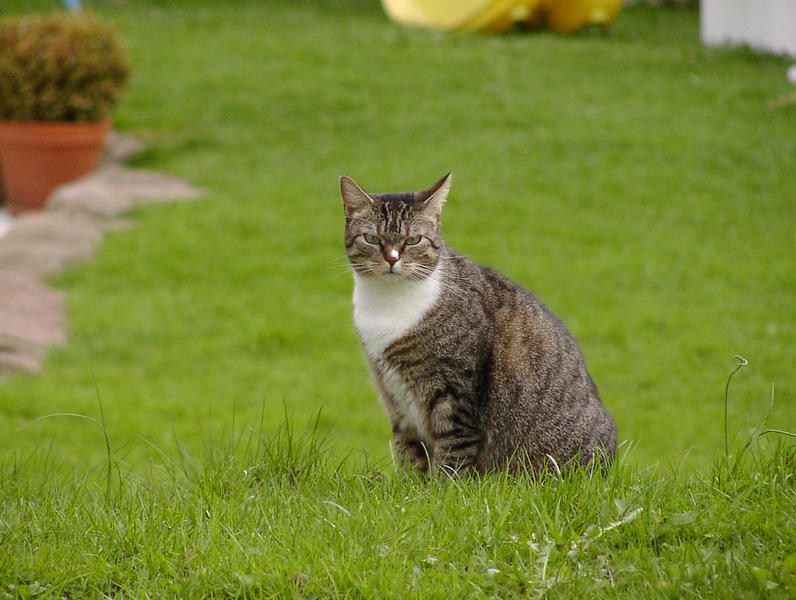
column 640, row 182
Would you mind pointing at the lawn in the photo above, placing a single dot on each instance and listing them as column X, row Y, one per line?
column 274, row 517
column 642, row 185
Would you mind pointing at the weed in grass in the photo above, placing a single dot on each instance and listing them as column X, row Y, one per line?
column 758, row 432
column 742, row 362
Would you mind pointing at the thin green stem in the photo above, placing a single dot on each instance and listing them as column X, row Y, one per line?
column 742, row 362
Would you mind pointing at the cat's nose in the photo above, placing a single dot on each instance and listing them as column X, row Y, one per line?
column 392, row 257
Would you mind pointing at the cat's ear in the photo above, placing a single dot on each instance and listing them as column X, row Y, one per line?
column 355, row 199
column 432, row 199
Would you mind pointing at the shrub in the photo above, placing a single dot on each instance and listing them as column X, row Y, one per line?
column 60, row 67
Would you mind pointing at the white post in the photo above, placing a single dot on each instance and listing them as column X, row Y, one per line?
column 768, row 25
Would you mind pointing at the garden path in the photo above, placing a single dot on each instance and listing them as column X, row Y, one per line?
column 68, row 231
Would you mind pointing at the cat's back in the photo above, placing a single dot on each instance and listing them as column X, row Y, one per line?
column 483, row 292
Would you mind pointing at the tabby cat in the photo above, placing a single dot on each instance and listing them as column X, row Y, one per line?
column 475, row 372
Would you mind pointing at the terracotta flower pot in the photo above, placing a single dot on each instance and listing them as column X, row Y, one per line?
column 38, row 157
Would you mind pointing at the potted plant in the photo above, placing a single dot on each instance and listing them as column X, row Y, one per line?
column 60, row 76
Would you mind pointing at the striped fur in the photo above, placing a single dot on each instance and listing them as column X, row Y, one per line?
column 475, row 373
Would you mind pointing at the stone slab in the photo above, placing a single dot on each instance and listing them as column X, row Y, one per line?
column 114, row 189
column 32, row 319
column 47, row 243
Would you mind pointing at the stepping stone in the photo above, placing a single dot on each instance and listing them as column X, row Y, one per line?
column 47, row 243
column 114, row 189
column 32, row 319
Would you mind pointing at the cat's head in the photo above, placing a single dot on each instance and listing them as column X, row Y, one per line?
column 393, row 236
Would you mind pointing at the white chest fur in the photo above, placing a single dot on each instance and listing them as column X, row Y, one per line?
column 386, row 310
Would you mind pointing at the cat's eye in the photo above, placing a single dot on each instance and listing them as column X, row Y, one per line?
column 413, row 240
column 371, row 238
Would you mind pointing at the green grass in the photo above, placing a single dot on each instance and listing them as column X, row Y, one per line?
column 275, row 517
column 642, row 185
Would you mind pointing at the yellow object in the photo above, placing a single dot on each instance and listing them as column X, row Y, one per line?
column 499, row 15
column 496, row 16
column 570, row 15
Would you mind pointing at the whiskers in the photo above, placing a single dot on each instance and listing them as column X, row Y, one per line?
column 364, row 269
column 451, row 281
column 419, row 272
column 341, row 266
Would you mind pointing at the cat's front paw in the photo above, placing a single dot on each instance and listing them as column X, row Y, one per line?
column 455, row 467
column 417, row 455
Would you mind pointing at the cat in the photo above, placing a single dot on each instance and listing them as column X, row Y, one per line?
column 476, row 374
